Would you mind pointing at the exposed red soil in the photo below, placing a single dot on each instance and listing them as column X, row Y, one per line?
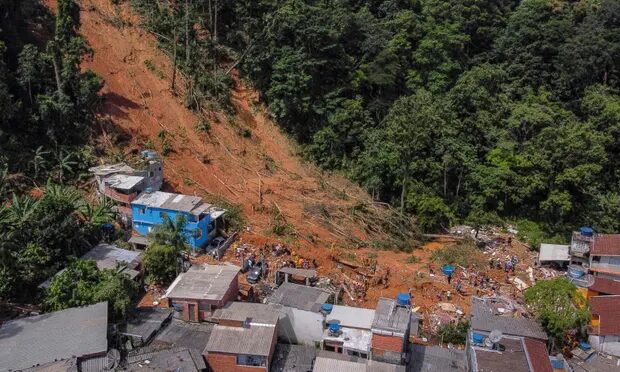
column 138, row 105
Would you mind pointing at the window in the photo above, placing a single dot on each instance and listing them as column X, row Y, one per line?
column 150, row 174
column 142, row 210
column 251, row 360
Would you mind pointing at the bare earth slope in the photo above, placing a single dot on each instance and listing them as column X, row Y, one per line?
column 138, row 102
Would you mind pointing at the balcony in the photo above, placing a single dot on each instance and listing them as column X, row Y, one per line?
column 119, row 197
column 605, row 268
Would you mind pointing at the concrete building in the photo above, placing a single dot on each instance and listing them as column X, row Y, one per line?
column 301, row 321
column 77, row 333
column 605, row 256
column 202, row 220
column 122, row 183
column 244, row 339
column 202, row 289
column 332, row 363
column 500, row 341
column 390, row 329
column 604, row 327
column 109, row 256
column 348, row 331
column 435, row 358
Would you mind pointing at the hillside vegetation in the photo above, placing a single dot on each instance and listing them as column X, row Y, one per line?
column 470, row 110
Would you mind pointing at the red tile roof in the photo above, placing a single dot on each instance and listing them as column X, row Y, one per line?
column 606, row 286
column 608, row 310
column 606, row 244
column 537, row 353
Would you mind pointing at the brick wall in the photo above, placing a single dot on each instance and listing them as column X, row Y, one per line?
column 219, row 362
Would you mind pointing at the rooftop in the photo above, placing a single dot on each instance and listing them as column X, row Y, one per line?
column 123, row 181
column 177, row 202
column 538, row 356
column 104, row 170
column 608, row 310
column 327, row 364
column 107, row 256
column 606, row 245
column 255, row 313
column 299, row 296
column 203, row 282
column 485, row 317
column 146, row 322
column 183, row 334
column 352, row 317
column 435, row 358
column 553, row 252
column 593, row 361
column 390, row 317
column 253, row 340
column 305, row 273
column 351, row 339
column 174, row 359
column 41, row 339
column 606, row 286
column 293, row 358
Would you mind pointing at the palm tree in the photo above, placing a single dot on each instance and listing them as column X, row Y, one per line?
column 39, row 161
column 98, row 214
column 170, row 233
column 65, row 163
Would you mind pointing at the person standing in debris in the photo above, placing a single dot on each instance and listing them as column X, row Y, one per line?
column 449, row 278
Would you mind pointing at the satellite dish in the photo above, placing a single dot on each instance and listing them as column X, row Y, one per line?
column 495, row 336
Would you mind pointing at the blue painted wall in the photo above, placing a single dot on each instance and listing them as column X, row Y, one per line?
column 196, row 231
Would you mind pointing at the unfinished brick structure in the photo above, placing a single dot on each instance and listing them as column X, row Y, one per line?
column 390, row 330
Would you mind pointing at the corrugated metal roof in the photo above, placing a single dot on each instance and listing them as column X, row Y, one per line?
column 173, row 359
column 606, row 286
column 435, row 358
column 123, row 181
column 146, row 322
column 107, row 256
column 166, row 200
column 293, row 358
column 484, row 318
column 305, row 273
column 183, row 334
column 389, row 317
column 203, row 282
column 606, row 245
column 538, row 356
column 254, row 340
column 324, row 364
column 353, row 317
column 299, row 296
column 106, row 169
column 59, row 335
column 608, row 310
column 256, row 313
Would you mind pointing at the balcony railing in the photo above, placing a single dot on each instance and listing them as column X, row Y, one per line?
column 606, row 268
column 119, row 197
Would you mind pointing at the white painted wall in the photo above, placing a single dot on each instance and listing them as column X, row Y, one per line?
column 300, row 326
column 606, row 344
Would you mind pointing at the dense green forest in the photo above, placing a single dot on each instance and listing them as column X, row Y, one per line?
column 471, row 111
column 46, row 118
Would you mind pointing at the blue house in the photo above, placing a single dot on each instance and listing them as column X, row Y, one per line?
column 202, row 220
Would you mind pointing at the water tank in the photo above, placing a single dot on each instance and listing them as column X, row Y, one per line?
column 403, row 299
column 575, row 271
column 478, row 338
column 327, row 308
column 586, row 231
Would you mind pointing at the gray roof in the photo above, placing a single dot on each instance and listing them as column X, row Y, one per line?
column 306, row 273
column 184, row 334
column 326, row 364
column 104, row 170
column 299, row 296
column 353, row 317
column 253, row 340
column 293, row 358
column 203, row 282
column 173, row 359
column 514, row 358
column 140, row 240
column 107, row 256
column 65, row 365
column 146, row 322
column 484, row 318
column 391, row 318
column 435, row 358
column 255, row 313
column 49, row 337
column 177, row 202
